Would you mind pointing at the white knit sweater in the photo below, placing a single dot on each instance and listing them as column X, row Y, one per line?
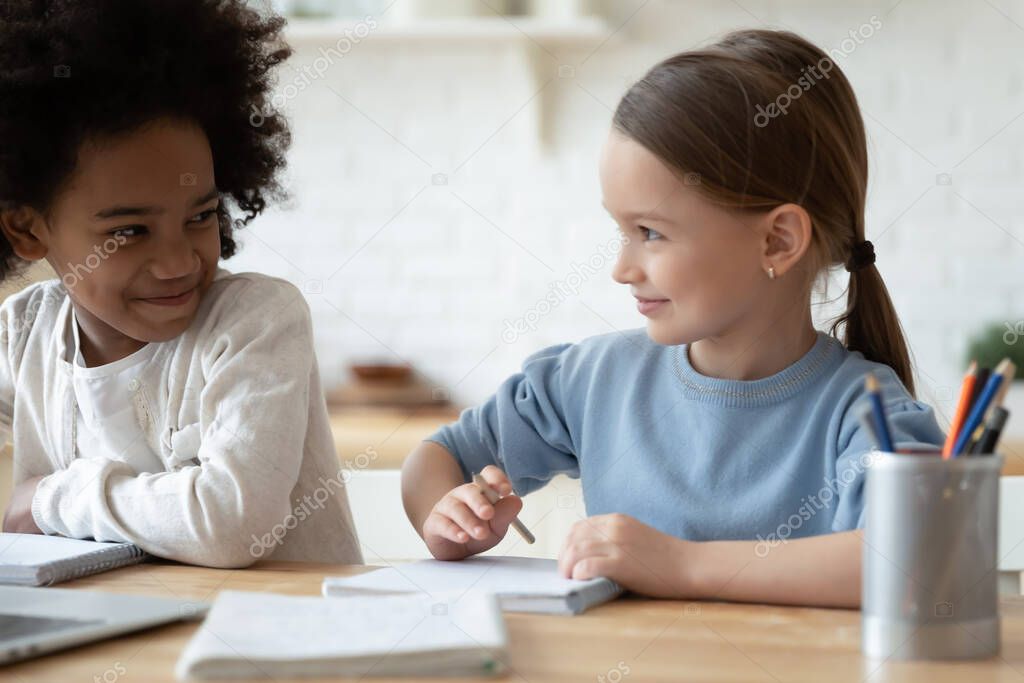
column 233, row 408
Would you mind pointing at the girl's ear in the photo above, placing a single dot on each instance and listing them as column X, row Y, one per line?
column 787, row 237
column 23, row 227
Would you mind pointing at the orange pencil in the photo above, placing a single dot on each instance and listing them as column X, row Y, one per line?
column 962, row 409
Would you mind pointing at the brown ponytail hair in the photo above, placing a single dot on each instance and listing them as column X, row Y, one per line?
column 766, row 118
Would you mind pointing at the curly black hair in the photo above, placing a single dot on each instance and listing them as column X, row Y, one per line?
column 74, row 70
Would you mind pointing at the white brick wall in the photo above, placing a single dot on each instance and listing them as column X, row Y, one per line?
column 430, row 277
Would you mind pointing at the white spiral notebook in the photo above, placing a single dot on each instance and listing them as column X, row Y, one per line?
column 37, row 560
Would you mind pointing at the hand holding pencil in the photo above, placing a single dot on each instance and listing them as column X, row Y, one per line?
column 467, row 520
column 494, row 497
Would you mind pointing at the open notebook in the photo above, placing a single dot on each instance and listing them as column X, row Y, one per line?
column 522, row 584
column 36, row 560
column 262, row 635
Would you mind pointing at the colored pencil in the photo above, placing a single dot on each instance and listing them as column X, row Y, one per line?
column 865, row 415
column 962, row 407
column 881, row 425
column 980, row 407
column 993, row 430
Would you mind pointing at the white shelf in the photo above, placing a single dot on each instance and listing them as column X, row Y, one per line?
column 539, row 43
column 580, row 32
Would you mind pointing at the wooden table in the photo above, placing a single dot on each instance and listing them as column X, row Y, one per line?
column 628, row 640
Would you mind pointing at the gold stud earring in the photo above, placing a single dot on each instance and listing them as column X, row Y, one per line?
column 771, row 272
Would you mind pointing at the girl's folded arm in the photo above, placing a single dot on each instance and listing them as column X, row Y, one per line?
column 254, row 413
column 821, row 571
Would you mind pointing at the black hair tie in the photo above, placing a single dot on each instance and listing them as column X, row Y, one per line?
column 862, row 255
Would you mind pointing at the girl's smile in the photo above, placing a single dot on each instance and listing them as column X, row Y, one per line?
column 649, row 307
column 172, row 300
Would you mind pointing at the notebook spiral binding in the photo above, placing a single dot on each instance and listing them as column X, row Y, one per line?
column 91, row 563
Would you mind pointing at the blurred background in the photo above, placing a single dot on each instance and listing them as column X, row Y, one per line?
column 444, row 171
column 445, row 218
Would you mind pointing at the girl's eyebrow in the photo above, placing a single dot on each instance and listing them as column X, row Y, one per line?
column 643, row 216
column 119, row 211
column 649, row 216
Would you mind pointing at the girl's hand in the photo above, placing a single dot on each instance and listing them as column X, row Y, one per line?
column 634, row 555
column 464, row 522
column 18, row 518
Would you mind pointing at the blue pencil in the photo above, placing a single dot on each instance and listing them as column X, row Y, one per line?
column 866, row 415
column 980, row 407
column 881, row 425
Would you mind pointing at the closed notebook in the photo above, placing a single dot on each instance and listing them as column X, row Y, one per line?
column 267, row 636
column 37, row 560
column 522, row 584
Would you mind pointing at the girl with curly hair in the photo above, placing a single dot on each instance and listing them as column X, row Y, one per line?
column 151, row 396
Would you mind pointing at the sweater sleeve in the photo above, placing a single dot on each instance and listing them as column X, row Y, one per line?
column 8, row 329
column 254, row 412
column 913, row 426
column 522, row 428
column 18, row 312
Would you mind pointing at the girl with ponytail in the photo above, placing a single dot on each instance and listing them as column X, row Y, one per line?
column 720, row 450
